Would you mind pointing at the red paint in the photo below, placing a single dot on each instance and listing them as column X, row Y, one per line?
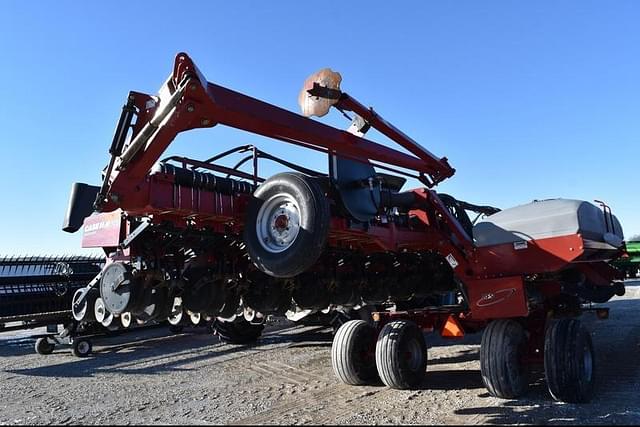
column 497, row 298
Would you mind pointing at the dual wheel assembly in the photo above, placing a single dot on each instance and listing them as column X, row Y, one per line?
column 397, row 355
column 569, row 364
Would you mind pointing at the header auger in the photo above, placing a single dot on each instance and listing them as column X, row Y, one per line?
column 196, row 237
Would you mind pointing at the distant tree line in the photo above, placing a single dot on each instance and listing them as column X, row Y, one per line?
column 634, row 238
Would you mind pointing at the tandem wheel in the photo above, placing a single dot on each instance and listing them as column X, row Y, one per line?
column 353, row 353
column 81, row 347
column 569, row 361
column 502, row 352
column 401, row 355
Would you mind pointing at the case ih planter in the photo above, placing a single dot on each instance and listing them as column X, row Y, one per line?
column 190, row 237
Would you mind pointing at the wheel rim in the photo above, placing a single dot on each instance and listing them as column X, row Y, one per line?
column 125, row 319
column 414, row 355
column 195, row 318
column 83, row 347
column 175, row 316
column 108, row 319
column 278, row 223
column 79, row 312
column 249, row 314
column 100, row 310
column 116, row 287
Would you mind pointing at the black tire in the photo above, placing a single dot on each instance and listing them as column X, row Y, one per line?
column 237, row 332
column 43, row 346
column 569, row 362
column 309, row 242
column 401, row 355
column 81, row 347
column 353, row 353
column 502, row 349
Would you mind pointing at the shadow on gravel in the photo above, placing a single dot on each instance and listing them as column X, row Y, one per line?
column 320, row 338
column 463, row 356
column 617, row 347
column 537, row 407
column 311, row 344
column 452, row 380
column 526, row 411
column 160, row 354
column 17, row 347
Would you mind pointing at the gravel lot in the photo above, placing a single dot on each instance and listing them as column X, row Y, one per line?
column 148, row 377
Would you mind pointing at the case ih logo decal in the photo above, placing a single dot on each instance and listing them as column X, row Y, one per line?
column 496, row 297
column 92, row 228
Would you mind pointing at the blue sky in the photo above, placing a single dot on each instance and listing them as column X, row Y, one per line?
column 527, row 100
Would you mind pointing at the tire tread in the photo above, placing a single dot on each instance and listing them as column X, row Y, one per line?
column 563, row 341
column 388, row 350
column 344, row 344
column 500, row 368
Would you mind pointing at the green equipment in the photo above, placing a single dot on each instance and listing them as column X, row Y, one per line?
column 631, row 264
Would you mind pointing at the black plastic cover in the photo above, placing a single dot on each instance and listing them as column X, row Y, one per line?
column 80, row 206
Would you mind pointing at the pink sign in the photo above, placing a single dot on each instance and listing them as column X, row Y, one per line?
column 102, row 230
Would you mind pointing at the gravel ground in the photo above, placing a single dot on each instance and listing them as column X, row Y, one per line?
column 149, row 377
